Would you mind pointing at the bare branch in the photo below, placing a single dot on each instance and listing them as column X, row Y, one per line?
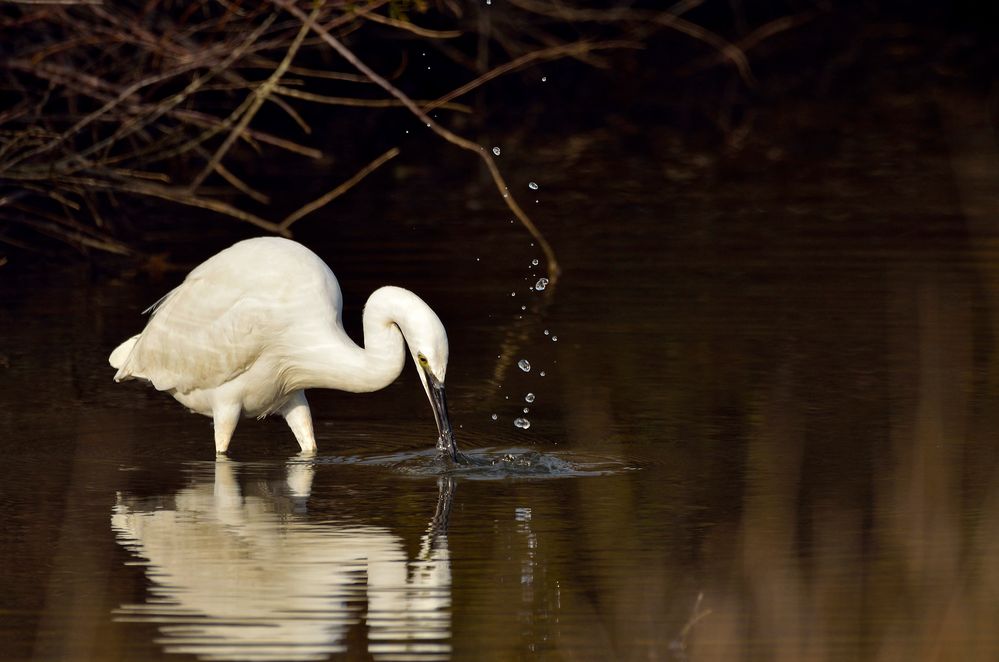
column 202, row 119
column 452, row 138
column 90, row 117
column 56, row 2
column 169, row 104
column 259, row 97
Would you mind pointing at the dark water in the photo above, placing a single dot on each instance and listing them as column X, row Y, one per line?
column 767, row 430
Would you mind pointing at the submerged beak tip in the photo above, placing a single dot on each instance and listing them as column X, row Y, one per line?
column 438, row 399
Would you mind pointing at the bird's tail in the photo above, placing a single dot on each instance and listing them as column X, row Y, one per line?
column 120, row 355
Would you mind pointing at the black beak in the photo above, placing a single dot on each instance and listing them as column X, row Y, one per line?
column 445, row 442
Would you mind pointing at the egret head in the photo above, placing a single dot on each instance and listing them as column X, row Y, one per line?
column 433, row 383
column 427, row 341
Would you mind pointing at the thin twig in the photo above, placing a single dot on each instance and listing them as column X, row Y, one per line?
column 753, row 39
column 364, row 103
column 410, row 27
column 669, row 19
column 524, row 60
column 263, row 63
column 235, row 181
column 64, row 233
column 173, row 194
column 339, row 190
column 185, row 197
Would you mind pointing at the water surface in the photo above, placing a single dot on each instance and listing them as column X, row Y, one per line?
column 767, row 430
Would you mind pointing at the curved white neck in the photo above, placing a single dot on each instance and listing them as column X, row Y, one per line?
column 339, row 363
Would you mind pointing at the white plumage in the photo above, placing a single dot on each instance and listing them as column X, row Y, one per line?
column 254, row 326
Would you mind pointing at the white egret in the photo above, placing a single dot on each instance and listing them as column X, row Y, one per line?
column 255, row 325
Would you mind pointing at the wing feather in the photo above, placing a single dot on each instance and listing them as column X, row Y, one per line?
column 202, row 335
column 257, row 297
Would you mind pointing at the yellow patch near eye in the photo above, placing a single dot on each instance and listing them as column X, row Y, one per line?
column 422, row 359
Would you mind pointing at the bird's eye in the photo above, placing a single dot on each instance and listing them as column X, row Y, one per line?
column 422, row 359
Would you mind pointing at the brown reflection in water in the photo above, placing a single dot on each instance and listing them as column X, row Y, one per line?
column 814, row 408
column 77, row 591
column 864, row 513
column 817, row 573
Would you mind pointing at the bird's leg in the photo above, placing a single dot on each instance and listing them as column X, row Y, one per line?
column 296, row 412
column 225, row 417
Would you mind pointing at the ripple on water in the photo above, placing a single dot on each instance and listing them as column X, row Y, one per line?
column 489, row 463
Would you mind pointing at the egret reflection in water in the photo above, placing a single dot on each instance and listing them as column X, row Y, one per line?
column 241, row 576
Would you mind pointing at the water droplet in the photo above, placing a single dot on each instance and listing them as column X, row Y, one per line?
column 541, row 284
column 496, row 151
column 523, row 307
column 542, row 373
column 544, row 79
column 526, row 410
column 524, row 365
column 533, row 186
column 547, row 332
column 529, row 397
column 513, row 294
column 522, row 423
column 476, row 259
column 554, row 338
column 494, row 417
column 534, row 262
